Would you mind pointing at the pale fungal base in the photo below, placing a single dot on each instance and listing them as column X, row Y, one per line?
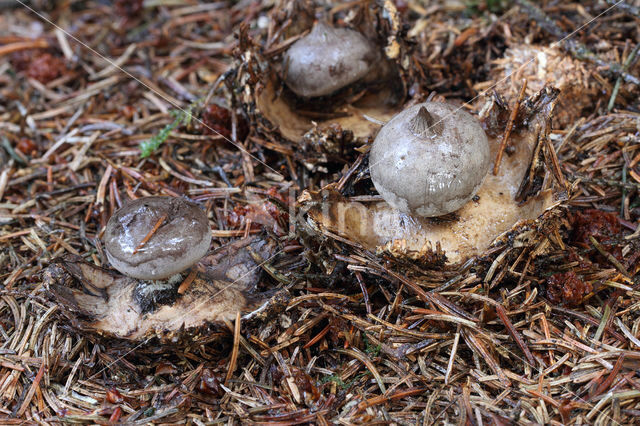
column 293, row 126
column 472, row 230
column 113, row 305
column 203, row 302
column 150, row 286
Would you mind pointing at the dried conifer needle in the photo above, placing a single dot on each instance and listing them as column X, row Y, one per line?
column 507, row 130
column 234, row 352
column 23, row 45
column 187, row 281
column 150, row 234
column 318, row 337
column 609, row 257
column 516, row 336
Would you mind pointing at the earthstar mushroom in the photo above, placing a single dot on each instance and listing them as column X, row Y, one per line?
column 430, row 159
column 154, row 238
column 327, row 60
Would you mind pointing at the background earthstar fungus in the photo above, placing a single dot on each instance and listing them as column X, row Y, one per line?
column 329, row 59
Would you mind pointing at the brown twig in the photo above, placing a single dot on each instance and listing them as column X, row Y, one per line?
column 365, row 292
column 515, row 334
column 184, row 286
column 147, row 237
column 610, row 378
column 32, row 391
column 234, row 352
column 507, row 130
column 609, row 257
column 23, row 45
column 384, row 399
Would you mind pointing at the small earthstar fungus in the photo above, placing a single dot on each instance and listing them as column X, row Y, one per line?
column 153, row 242
column 504, row 209
column 335, row 74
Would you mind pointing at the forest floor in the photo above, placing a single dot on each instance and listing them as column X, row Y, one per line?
column 101, row 103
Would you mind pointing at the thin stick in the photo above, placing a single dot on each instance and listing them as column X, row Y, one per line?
column 625, row 67
column 507, row 130
column 609, row 380
column 454, row 350
column 318, row 337
column 362, row 357
column 554, row 162
column 609, row 257
column 475, row 345
column 516, row 336
column 187, row 281
column 150, row 234
column 624, row 190
column 234, row 353
column 23, row 45
column 383, row 399
column 365, row 292
column 31, row 391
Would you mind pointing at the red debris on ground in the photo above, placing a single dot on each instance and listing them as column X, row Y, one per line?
column 21, row 59
column 38, row 64
column 27, row 146
column 114, row 396
column 567, row 288
column 602, row 226
column 209, row 383
column 260, row 213
column 45, row 68
column 218, row 120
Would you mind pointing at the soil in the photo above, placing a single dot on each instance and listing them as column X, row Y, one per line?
column 104, row 102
